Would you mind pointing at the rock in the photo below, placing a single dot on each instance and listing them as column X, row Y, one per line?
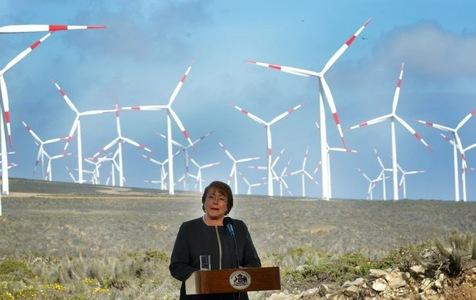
column 358, row 282
column 426, row 284
column 397, row 282
column 438, row 284
column 376, row 273
column 310, row 294
column 282, row 296
column 351, row 291
column 441, row 277
column 325, row 289
column 336, row 296
column 418, row 269
column 379, row 285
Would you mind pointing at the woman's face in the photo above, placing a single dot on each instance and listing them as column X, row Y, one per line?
column 216, row 204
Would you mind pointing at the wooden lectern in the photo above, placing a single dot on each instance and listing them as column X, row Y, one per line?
column 233, row 280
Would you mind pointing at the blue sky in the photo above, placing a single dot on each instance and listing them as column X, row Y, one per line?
column 148, row 45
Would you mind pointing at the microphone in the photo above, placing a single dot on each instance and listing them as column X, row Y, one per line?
column 228, row 223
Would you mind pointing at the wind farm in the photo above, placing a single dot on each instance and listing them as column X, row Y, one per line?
column 292, row 132
column 94, row 191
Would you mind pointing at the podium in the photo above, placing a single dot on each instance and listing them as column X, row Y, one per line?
column 233, row 280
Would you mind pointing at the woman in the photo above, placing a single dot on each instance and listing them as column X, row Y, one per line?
column 207, row 236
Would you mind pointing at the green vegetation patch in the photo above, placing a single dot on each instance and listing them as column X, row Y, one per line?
column 14, row 270
column 316, row 267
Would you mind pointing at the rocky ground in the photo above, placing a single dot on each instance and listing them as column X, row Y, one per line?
column 418, row 282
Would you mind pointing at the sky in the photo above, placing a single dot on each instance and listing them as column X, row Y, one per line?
column 147, row 46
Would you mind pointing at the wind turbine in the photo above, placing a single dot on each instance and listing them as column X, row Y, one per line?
column 184, row 150
column 5, row 115
column 324, row 91
column 199, row 172
column 383, row 169
column 119, row 140
column 372, row 182
column 49, row 169
column 76, row 127
column 170, row 115
column 304, row 173
column 282, row 183
column 279, row 178
column 267, row 126
column 233, row 172
column 250, row 185
column 403, row 180
column 40, row 143
column 96, row 179
column 163, row 173
column 392, row 116
column 457, row 146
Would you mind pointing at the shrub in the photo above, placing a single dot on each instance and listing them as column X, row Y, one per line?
column 14, row 270
column 457, row 248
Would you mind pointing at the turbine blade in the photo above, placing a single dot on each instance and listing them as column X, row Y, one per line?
column 180, row 126
column 24, row 54
column 45, row 28
column 344, row 47
column 6, row 108
column 412, row 131
column 286, row 69
column 372, row 121
column 396, row 95
column 435, row 125
column 179, row 86
column 466, row 119
column 250, row 115
column 330, row 101
column 71, row 133
column 285, row 114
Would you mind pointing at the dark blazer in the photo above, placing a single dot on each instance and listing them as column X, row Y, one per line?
column 196, row 238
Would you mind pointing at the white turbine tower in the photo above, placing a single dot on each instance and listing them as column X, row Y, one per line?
column 326, row 93
column 403, row 180
column 119, row 140
column 267, row 126
column 304, row 173
column 49, row 168
column 5, row 114
column 76, row 127
column 457, row 146
column 171, row 114
column 233, row 172
column 384, row 178
column 392, row 116
column 163, row 173
column 199, row 172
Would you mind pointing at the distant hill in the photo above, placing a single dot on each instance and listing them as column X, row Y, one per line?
column 23, row 185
